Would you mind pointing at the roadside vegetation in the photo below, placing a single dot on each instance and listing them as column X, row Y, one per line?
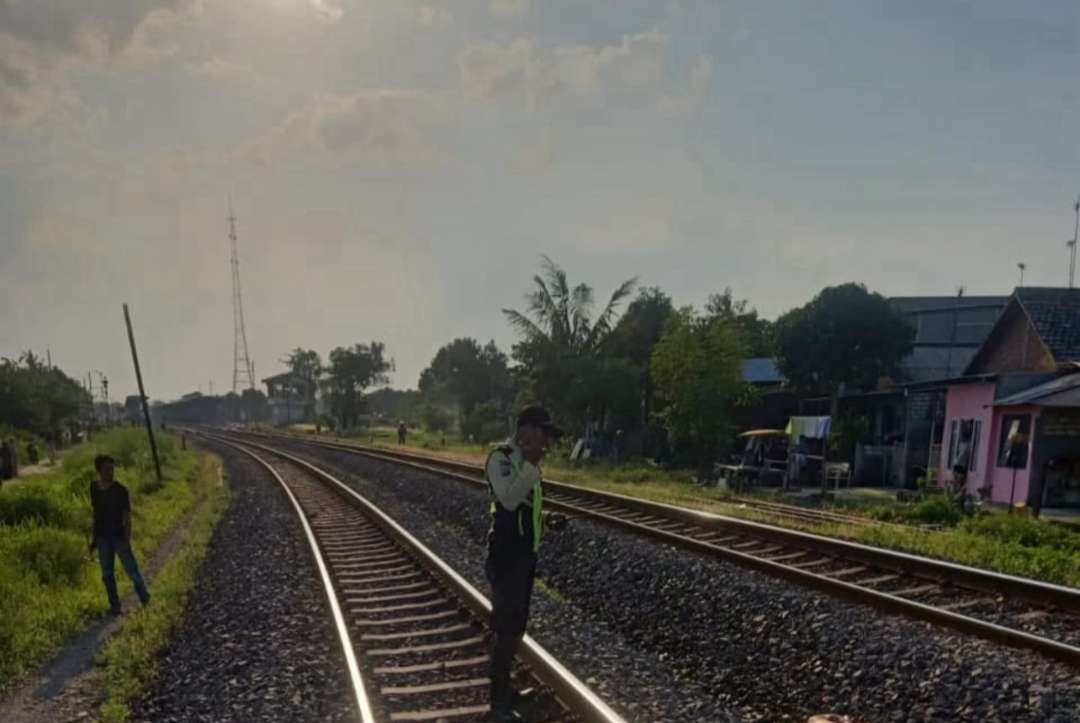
column 49, row 583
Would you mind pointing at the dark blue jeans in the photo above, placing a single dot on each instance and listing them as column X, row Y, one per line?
column 106, row 550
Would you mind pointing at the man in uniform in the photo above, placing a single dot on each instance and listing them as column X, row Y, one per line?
column 517, row 523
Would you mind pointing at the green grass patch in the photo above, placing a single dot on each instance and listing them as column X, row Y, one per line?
column 129, row 658
column 49, row 583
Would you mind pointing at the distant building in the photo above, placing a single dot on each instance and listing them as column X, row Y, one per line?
column 290, row 398
column 1023, row 385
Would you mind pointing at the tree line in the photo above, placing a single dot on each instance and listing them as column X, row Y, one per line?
column 635, row 373
column 37, row 397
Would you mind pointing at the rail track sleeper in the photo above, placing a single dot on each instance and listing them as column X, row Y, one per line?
column 917, row 590
column 416, row 633
column 442, row 714
column 429, row 648
column 404, row 620
column 877, row 580
column 846, row 572
column 387, row 598
column 397, row 608
column 435, row 687
column 433, row 666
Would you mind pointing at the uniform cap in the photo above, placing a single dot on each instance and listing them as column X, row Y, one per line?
column 536, row 416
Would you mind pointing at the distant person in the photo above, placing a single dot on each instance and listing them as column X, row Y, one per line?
column 112, row 531
column 13, row 458
column 32, row 452
column 517, row 523
column 402, row 433
column 5, row 461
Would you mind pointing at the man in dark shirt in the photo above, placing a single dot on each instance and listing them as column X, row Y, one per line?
column 112, row 531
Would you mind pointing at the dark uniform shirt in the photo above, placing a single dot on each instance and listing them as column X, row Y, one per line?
column 109, row 505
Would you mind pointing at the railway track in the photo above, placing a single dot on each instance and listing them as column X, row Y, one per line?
column 413, row 632
column 1007, row 610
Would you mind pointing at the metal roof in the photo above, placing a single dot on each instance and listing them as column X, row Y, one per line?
column 1060, row 392
column 761, row 370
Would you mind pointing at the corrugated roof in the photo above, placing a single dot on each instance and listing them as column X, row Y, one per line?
column 761, row 370
column 1055, row 313
column 1060, row 392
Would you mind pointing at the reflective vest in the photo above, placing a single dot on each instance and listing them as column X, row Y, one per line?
column 521, row 528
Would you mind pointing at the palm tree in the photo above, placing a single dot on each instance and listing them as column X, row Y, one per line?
column 562, row 316
column 563, row 352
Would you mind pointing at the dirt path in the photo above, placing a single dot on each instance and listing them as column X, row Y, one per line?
column 64, row 688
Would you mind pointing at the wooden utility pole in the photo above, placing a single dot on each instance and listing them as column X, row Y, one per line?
column 142, row 395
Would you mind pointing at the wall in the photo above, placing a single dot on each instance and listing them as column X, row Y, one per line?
column 968, row 401
column 1000, row 478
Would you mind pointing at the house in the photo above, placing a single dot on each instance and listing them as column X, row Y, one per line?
column 1013, row 418
column 776, row 402
column 290, row 398
column 904, row 413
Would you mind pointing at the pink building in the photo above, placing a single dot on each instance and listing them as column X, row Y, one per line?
column 1013, row 420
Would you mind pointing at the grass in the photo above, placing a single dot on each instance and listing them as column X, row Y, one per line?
column 1013, row 544
column 49, row 583
column 129, row 658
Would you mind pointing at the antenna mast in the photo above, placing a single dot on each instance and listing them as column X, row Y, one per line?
column 243, row 372
column 1071, row 243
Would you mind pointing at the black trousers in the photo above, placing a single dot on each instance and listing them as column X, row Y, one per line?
column 511, row 581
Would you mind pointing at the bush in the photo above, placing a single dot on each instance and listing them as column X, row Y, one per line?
column 55, row 557
column 1023, row 530
column 30, row 506
column 935, row 510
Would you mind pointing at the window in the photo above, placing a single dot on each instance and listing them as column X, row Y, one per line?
column 964, row 443
column 1016, row 426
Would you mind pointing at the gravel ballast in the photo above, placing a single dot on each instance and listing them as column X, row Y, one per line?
column 669, row 635
column 256, row 642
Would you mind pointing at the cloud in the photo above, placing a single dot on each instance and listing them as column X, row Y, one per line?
column 508, row 8
column 594, row 74
column 380, row 127
column 43, row 47
column 329, row 10
column 217, row 68
column 634, row 66
column 489, row 70
column 433, row 16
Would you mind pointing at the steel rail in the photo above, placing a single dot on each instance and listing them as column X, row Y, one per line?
column 356, row 680
column 1032, row 591
column 577, row 697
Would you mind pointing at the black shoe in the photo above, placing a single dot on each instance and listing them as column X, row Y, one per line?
column 116, row 612
column 146, row 600
column 502, row 714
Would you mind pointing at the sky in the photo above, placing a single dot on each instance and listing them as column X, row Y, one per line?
column 398, row 167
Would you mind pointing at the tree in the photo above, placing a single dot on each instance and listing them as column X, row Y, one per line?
column 562, row 338
column 352, row 371
column 476, row 379
column 306, row 365
column 697, row 366
column 758, row 333
column 845, row 336
column 635, row 336
column 36, row 397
